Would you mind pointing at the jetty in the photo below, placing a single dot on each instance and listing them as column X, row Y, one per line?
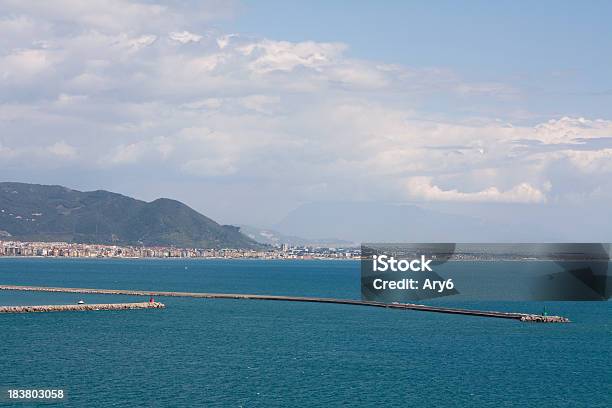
column 81, row 307
column 523, row 317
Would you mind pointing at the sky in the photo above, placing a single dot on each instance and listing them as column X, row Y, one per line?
column 248, row 110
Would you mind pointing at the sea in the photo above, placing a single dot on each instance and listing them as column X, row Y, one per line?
column 252, row 353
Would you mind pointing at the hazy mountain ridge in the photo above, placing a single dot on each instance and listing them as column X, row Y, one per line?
column 447, row 222
column 384, row 222
column 273, row 237
column 54, row 213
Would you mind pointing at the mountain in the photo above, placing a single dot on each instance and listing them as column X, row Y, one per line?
column 385, row 222
column 272, row 237
column 32, row 212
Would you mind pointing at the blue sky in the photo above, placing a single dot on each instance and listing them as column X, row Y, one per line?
column 559, row 51
column 248, row 110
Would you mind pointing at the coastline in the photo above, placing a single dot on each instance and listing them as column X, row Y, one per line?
column 171, row 258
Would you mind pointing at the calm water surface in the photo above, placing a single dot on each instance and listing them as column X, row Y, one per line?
column 200, row 352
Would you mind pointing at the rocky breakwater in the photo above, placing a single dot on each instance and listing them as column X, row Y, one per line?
column 81, row 307
column 544, row 319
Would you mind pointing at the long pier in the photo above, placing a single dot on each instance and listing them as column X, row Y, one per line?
column 80, row 307
column 525, row 317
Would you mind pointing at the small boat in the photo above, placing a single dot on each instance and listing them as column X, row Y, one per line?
column 81, row 302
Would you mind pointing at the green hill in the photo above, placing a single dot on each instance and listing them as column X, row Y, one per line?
column 32, row 212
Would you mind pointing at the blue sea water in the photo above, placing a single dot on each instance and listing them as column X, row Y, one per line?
column 248, row 353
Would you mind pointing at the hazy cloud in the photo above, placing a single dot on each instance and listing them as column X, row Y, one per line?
column 62, row 149
column 110, row 84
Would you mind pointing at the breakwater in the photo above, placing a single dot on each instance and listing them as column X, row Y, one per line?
column 81, row 307
column 524, row 317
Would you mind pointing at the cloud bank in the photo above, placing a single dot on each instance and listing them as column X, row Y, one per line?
column 103, row 87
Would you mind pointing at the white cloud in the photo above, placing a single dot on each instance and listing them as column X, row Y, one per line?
column 126, row 154
column 24, row 64
column 62, row 149
column 185, row 37
column 224, row 40
column 89, row 82
column 591, row 161
column 260, row 103
column 568, row 130
column 208, row 103
column 136, row 43
column 268, row 56
column 208, row 63
column 109, row 15
column 68, row 99
column 359, row 75
column 421, row 188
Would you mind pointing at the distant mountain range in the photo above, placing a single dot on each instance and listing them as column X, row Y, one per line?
column 466, row 222
column 386, row 222
column 272, row 237
column 32, row 212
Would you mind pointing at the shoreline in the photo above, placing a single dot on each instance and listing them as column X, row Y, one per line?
column 274, row 259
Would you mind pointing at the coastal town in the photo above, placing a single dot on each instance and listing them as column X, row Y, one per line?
column 74, row 250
